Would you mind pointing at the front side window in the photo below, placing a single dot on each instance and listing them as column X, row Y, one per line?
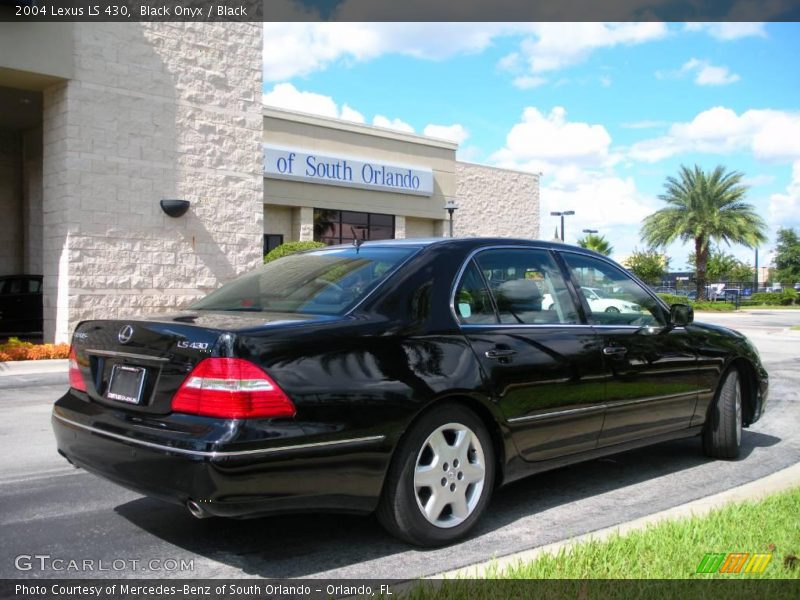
column 527, row 286
column 319, row 282
column 612, row 296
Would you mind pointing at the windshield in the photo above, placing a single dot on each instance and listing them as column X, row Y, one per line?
column 324, row 281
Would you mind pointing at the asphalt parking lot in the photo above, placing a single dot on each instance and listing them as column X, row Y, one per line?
column 49, row 508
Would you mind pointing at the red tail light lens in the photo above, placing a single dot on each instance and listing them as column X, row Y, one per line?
column 231, row 388
column 75, row 377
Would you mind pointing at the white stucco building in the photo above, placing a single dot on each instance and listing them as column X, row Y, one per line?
column 101, row 121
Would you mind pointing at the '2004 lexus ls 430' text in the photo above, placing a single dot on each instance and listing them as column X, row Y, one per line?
column 406, row 377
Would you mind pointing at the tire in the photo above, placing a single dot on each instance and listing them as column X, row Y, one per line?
column 612, row 309
column 722, row 434
column 445, row 464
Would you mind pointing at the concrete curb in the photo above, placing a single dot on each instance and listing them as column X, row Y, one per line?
column 29, row 367
column 755, row 490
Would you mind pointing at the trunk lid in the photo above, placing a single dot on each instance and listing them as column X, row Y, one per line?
column 139, row 365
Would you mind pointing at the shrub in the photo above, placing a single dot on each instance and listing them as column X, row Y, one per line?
column 674, row 299
column 714, row 306
column 290, row 248
column 15, row 349
column 784, row 298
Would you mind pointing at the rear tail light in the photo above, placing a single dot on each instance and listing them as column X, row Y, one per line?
column 75, row 377
column 231, row 388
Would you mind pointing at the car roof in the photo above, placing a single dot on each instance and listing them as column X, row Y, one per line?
column 469, row 243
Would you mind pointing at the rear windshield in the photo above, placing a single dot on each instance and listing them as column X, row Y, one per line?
column 324, row 281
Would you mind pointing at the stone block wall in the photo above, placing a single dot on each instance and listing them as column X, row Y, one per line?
column 155, row 110
column 496, row 202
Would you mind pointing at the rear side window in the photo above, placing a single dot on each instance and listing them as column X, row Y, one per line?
column 527, row 286
column 473, row 303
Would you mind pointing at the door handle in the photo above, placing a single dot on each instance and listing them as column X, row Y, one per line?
column 500, row 353
column 614, row 351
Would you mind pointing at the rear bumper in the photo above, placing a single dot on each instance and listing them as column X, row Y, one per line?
column 337, row 475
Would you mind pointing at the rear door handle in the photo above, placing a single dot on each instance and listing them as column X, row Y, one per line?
column 614, row 351
column 500, row 353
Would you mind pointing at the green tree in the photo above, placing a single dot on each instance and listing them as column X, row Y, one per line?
column 290, row 248
column 787, row 256
column 598, row 243
column 722, row 266
column 704, row 207
column 648, row 265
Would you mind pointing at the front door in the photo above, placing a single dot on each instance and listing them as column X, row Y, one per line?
column 544, row 366
column 651, row 368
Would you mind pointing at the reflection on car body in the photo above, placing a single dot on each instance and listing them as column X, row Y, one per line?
column 406, row 377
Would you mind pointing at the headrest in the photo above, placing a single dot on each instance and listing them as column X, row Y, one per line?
column 520, row 290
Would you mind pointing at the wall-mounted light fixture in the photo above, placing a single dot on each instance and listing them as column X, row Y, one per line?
column 175, row 207
column 450, row 206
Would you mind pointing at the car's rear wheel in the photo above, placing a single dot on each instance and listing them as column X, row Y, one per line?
column 612, row 309
column 722, row 434
column 441, row 478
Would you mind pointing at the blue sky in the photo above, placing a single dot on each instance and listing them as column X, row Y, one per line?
column 605, row 111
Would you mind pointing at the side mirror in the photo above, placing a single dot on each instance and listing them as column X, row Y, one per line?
column 680, row 315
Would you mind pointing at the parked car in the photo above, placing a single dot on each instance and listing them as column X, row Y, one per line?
column 406, row 377
column 20, row 305
column 797, row 287
column 600, row 301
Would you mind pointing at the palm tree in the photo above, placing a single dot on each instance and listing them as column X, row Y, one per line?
column 598, row 243
column 704, row 207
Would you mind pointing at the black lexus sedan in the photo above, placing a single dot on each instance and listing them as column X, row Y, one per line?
column 407, row 377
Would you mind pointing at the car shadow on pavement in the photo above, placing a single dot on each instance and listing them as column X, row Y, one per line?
column 577, row 499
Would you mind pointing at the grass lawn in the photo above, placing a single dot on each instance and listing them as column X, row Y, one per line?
column 795, row 327
column 674, row 549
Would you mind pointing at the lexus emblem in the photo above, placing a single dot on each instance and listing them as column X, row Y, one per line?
column 125, row 334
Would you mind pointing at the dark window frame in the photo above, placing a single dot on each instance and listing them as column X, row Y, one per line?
column 342, row 220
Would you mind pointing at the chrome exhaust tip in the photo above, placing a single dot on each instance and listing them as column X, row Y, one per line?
column 196, row 510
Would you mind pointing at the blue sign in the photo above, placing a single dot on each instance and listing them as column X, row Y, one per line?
column 299, row 165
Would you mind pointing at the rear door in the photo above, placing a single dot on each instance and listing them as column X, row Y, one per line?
column 543, row 364
column 651, row 368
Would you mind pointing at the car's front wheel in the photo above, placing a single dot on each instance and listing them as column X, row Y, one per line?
column 441, row 478
column 722, row 434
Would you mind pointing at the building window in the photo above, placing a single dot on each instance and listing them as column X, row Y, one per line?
column 339, row 226
column 272, row 241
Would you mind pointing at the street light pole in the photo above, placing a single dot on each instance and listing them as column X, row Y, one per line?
column 451, row 207
column 755, row 276
column 562, row 214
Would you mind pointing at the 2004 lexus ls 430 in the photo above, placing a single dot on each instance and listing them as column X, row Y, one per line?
column 405, row 377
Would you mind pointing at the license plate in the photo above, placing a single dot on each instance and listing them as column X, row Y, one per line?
column 126, row 384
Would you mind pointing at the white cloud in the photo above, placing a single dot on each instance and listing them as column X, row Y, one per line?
column 729, row 31
column 286, row 96
column 707, row 74
column 454, row 133
column 612, row 205
column 784, row 208
column 554, row 46
column 351, row 114
column 545, row 142
column 297, row 49
column 771, row 135
column 396, row 124
column 527, row 82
